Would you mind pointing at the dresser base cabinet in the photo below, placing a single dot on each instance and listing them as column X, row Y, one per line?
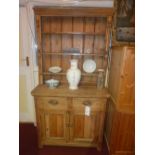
column 70, row 118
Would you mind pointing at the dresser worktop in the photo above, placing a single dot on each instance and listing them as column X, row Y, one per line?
column 64, row 91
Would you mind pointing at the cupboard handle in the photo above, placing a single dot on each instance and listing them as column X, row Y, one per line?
column 53, row 102
column 87, row 103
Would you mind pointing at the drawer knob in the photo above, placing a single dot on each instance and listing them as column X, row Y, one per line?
column 53, row 102
column 87, row 103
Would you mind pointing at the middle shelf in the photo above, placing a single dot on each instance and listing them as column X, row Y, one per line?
column 74, row 54
column 74, row 33
column 64, row 73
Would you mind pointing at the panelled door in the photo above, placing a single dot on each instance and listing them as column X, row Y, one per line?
column 55, row 126
column 84, row 120
column 56, row 119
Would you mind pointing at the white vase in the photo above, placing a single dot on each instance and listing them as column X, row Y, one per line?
column 73, row 75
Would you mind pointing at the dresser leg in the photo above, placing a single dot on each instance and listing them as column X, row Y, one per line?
column 99, row 147
column 40, row 145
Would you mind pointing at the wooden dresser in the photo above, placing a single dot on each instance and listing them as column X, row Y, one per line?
column 71, row 117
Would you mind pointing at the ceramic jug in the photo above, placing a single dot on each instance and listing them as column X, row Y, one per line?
column 73, row 75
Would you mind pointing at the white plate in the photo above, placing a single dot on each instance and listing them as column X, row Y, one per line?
column 89, row 66
column 55, row 69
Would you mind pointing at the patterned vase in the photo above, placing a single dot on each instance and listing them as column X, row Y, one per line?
column 73, row 75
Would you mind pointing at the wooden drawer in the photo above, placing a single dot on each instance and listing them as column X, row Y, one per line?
column 52, row 103
column 96, row 104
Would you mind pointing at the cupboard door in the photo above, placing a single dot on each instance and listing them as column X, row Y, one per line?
column 84, row 127
column 85, row 120
column 55, row 126
column 55, row 120
column 127, row 83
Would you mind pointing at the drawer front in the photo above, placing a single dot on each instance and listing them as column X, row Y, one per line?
column 53, row 103
column 94, row 103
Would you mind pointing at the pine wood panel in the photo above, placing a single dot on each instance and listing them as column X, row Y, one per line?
column 84, row 127
column 79, row 126
column 127, row 86
column 66, row 43
column 46, row 24
column 88, row 43
column 55, row 125
column 122, row 68
column 78, row 26
column 46, row 27
column 116, row 64
column 99, row 41
column 39, row 40
column 120, row 130
column 56, row 42
column 41, row 127
column 110, row 111
column 40, row 120
column 101, row 25
column 74, row 11
column 89, row 122
column 88, row 40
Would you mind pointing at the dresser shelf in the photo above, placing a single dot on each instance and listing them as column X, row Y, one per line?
column 63, row 74
column 74, row 54
column 74, row 33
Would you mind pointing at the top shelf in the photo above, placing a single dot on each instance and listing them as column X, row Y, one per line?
column 74, row 33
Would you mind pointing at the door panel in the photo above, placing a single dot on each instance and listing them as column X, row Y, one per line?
column 55, row 127
column 127, row 84
column 84, row 127
column 56, row 118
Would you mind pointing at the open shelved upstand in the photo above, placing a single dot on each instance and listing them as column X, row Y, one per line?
column 85, row 30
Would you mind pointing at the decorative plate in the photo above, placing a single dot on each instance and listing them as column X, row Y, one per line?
column 89, row 66
column 55, row 69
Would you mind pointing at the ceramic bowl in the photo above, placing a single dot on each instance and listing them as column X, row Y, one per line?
column 52, row 83
column 89, row 66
